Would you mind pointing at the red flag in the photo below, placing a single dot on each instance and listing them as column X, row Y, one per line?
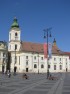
column 45, row 50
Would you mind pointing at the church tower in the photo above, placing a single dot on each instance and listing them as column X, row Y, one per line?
column 14, row 36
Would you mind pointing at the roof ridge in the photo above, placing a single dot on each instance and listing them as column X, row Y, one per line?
column 32, row 42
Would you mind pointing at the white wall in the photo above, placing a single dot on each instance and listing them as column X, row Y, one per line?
column 31, row 61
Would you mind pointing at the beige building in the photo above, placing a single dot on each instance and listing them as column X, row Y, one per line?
column 3, row 55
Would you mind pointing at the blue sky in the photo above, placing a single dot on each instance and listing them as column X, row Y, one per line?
column 34, row 16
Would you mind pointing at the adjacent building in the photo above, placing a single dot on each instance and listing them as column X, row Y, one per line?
column 3, row 56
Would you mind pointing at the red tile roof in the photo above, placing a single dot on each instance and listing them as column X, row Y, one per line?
column 56, row 50
column 37, row 47
column 32, row 47
column 67, row 53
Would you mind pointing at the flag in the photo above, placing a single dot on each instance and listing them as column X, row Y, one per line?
column 50, row 50
column 45, row 50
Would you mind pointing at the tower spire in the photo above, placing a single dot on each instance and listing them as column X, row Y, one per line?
column 15, row 23
column 54, row 42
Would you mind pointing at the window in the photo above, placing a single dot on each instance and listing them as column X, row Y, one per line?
column 15, row 46
column 35, row 66
column 34, row 57
column 48, row 66
column 60, row 67
column 16, row 34
column 26, row 62
column 54, row 59
column 42, row 66
column 26, row 57
column 54, row 67
column 41, row 58
column 60, row 59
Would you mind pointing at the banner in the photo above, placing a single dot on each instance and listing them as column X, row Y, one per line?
column 45, row 50
column 50, row 50
column 49, row 54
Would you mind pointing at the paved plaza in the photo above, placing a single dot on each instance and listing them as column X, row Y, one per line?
column 36, row 84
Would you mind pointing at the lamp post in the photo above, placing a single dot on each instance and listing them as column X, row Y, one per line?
column 15, row 55
column 32, row 60
column 38, row 63
column 15, row 61
column 46, row 35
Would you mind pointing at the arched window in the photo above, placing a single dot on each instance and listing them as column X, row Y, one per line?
column 35, row 66
column 15, row 46
column 42, row 66
column 54, row 67
column 48, row 66
column 16, row 34
column 60, row 67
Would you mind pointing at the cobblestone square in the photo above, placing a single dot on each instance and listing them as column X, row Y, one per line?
column 36, row 84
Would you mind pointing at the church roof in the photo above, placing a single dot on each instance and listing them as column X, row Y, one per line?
column 39, row 48
column 32, row 47
column 67, row 53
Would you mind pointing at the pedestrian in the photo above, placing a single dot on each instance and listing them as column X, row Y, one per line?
column 9, row 75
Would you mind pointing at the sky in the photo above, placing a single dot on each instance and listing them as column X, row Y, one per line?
column 33, row 17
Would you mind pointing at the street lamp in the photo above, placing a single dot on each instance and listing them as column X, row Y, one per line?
column 32, row 60
column 15, row 56
column 38, row 63
column 15, row 60
column 46, row 35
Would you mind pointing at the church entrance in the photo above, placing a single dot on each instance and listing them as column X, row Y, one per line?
column 26, row 69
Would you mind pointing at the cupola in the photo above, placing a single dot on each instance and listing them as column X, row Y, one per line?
column 15, row 23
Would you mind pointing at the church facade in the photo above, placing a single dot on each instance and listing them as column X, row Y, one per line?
column 29, row 57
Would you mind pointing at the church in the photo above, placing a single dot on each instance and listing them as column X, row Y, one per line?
column 29, row 56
